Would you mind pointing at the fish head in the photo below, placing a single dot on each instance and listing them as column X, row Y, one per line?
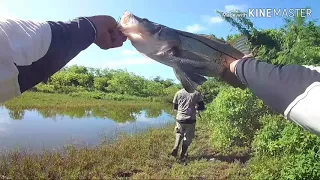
column 149, row 38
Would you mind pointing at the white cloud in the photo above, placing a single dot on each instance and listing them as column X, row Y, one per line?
column 215, row 20
column 195, row 28
column 128, row 61
column 235, row 7
column 129, row 52
column 212, row 19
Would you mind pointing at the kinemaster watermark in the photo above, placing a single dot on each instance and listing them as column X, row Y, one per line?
column 271, row 12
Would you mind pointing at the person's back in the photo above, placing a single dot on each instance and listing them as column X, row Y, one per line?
column 187, row 103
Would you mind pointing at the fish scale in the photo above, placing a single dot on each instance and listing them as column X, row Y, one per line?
column 190, row 55
column 203, row 68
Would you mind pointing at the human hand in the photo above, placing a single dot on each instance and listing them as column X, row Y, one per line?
column 228, row 74
column 108, row 35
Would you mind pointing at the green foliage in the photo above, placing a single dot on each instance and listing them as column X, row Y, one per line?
column 233, row 116
column 282, row 141
column 100, row 83
column 46, row 88
column 71, row 78
column 83, row 81
column 125, row 83
column 210, row 89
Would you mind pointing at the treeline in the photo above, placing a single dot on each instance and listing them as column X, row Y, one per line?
column 108, row 84
column 118, row 85
column 280, row 149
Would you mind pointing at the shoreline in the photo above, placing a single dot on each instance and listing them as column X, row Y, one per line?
column 144, row 155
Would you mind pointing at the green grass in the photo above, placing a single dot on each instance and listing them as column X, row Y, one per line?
column 38, row 100
column 96, row 94
column 140, row 156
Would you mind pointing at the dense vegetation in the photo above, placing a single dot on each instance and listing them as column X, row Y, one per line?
column 280, row 148
column 80, row 81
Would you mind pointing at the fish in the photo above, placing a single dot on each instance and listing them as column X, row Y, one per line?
column 193, row 57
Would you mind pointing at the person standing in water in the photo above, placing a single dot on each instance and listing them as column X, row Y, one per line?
column 186, row 104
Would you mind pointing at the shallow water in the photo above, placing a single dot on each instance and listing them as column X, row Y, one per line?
column 37, row 129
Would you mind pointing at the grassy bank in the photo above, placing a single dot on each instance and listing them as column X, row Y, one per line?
column 29, row 100
column 141, row 156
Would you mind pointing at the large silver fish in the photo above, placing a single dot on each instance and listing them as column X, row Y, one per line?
column 191, row 56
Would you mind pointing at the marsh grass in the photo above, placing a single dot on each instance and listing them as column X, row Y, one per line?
column 140, row 156
column 46, row 101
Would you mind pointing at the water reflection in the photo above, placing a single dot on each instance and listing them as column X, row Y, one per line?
column 118, row 113
column 49, row 128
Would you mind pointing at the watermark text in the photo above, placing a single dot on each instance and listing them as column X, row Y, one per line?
column 271, row 12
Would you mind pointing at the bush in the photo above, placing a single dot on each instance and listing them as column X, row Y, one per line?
column 94, row 95
column 267, row 167
column 46, row 88
column 295, row 149
column 234, row 118
column 211, row 88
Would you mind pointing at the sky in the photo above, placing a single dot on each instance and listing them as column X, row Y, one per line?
column 197, row 16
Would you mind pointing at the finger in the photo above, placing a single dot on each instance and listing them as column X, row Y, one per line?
column 117, row 44
column 124, row 37
column 118, row 35
column 111, row 23
column 114, row 35
column 105, row 41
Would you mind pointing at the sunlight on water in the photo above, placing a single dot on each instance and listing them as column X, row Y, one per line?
column 54, row 128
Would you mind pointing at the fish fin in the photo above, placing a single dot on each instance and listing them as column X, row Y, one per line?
column 186, row 82
column 189, row 81
column 197, row 78
column 242, row 44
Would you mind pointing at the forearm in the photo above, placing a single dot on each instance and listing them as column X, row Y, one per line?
column 68, row 39
column 291, row 90
column 32, row 52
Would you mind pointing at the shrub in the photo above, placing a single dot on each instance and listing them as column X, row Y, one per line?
column 46, row 88
column 295, row 149
column 234, row 118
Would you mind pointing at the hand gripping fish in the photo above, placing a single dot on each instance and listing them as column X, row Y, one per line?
column 191, row 56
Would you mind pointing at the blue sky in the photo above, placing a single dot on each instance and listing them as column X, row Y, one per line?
column 193, row 16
